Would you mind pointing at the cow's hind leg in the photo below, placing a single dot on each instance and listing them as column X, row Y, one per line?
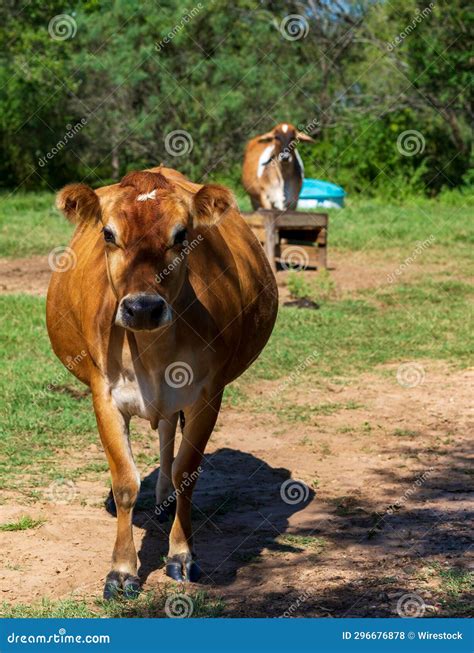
column 181, row 564
column 113, row 429
column 165, row 495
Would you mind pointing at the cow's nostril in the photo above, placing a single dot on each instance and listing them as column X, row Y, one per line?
column 128, row 311
column 156, row 313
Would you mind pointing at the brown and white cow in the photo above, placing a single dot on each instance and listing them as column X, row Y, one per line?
column 171, row 298
column 273, row 172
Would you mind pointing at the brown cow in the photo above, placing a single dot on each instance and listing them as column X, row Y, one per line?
column 171, row 298
column 273, row 172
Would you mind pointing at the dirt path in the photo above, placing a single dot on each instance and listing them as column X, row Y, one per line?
column 385, row 510
column 349, row 271
column 24, row 275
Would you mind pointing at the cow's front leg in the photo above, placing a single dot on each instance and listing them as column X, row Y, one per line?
column 181, row 564
column 165, row 495
column 113, row 429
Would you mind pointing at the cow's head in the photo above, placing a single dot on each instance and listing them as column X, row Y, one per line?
column 149, row 226
column 285, row 138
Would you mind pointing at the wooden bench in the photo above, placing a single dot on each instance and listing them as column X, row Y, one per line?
column 283, row 232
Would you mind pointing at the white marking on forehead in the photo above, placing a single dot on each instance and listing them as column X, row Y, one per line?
column 284, row 128
column 147, row 196
column 264, row 159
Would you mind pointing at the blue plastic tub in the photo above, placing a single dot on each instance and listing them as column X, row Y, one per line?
column 320, row 194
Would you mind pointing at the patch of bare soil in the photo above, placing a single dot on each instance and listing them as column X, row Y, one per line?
column 24, row 275
column 382, row 508
column 349, row 271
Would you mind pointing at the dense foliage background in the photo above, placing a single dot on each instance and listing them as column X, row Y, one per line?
column 362, row 74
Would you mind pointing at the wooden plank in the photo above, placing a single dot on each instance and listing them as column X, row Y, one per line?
column 278, row 230
column 291, row 219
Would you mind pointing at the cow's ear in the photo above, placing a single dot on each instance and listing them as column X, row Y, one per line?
column 266, row 138
column 304, row 138
column 210, row 204
column 79, row 203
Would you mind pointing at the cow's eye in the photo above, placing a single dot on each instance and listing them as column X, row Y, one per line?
column 109, row 235
column 180, row 237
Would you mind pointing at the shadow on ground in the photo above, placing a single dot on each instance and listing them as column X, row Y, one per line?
column 340, row 556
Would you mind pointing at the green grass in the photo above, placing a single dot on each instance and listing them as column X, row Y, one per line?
column 455, row 588
column 35, row 419
column 29, row 224
column 23, row 524
column 422, row 321
column 147, row 605
column 45, row 412
column 426, row 320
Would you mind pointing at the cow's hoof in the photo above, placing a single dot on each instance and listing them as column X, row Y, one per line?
column 165, row 512
column 183, row 568
column 113, row 585
column 121, row 585
column 131, row 587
